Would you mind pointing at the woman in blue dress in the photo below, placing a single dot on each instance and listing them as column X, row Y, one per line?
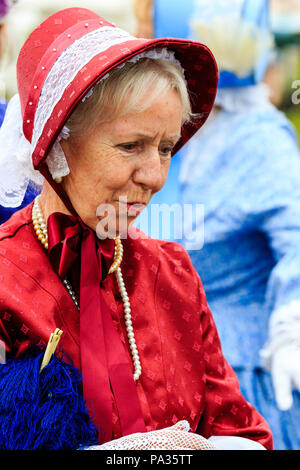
column 244, row 167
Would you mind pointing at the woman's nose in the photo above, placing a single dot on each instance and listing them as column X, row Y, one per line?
column 150, row 172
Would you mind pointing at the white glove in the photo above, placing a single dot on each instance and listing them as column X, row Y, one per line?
column 235, row 443
column 285, row 371
column 281, row 354
column 176, row 437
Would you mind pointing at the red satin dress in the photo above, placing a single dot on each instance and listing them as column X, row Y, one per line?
column 184, row 373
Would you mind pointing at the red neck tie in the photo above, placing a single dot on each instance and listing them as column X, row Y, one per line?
column 104, row 361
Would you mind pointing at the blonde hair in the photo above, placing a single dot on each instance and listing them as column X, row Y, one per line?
column 131, row 88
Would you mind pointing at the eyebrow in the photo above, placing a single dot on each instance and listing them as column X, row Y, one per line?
column 172, row 139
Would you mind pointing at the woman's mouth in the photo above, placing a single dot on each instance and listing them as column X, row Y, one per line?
column 135, row 208
column 130, row 209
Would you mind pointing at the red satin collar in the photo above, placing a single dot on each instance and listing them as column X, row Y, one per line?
column 104, row 361
column 65, row 235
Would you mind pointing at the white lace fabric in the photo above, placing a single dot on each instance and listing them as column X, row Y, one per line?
column 176, row 437
column 56, row 159
column 16, row 168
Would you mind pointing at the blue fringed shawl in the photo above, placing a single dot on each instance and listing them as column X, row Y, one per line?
column 42, row 411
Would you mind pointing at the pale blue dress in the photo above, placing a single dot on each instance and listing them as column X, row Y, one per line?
column 244, row 168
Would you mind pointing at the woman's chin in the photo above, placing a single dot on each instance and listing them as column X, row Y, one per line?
column 114, row 229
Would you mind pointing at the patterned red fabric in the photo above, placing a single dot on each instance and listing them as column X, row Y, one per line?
column 33, row 52
column 184, row 373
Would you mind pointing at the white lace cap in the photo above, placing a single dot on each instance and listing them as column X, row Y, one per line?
column 16, row 167
column 56, row 159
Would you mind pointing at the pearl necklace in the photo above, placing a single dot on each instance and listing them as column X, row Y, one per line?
column 42, row 234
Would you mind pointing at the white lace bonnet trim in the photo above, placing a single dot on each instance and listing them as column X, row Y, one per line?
column 15, row 151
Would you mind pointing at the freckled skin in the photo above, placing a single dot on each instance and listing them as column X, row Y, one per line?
column 128, row 157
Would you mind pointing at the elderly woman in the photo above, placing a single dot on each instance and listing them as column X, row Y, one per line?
column 104, row 112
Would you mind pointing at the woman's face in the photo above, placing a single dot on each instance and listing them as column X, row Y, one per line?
column 117, row 167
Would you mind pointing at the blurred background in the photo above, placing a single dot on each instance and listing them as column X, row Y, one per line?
column 25, row 15
column 283, row 76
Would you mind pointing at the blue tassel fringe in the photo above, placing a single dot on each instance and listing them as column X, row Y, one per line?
column 43, row 411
